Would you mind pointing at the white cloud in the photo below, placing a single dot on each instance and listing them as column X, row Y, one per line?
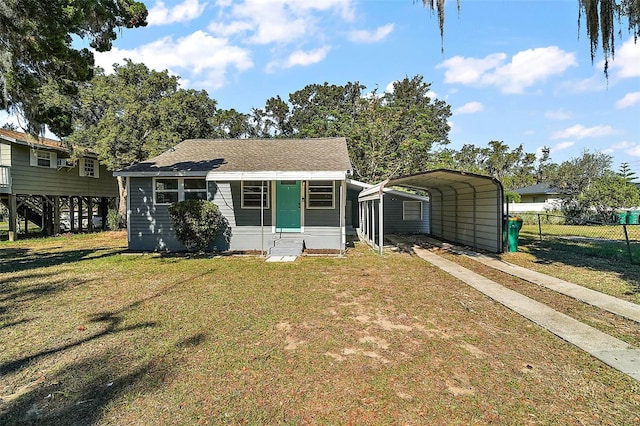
column 592, row 84
column 363, row 36
column 160, row 14
column 469, row 70
column 580, row 132
column 301, row 58
column 561, row 146
column 626, row 60
column 201, row 55
column 628, row 147
column 525, row 69
column 229, row 29
column 558, row 114
column 390, row 88
column 279, row 21
column 629, row 100
column 634, row 151
column 469, row 108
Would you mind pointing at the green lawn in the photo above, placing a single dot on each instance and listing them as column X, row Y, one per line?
column 607, row 242
column 90, row 335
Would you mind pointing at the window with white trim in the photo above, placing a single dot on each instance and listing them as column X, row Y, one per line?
column 412, row 210
column 252, row 190
column 320, row 194
column 89, row 167
column 39, row 158
column 195, row 189
column 43, row 158
column 172, row 190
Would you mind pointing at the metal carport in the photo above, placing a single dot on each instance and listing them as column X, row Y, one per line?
column 464, row 208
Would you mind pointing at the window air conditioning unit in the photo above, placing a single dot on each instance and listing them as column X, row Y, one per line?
column 65, row 162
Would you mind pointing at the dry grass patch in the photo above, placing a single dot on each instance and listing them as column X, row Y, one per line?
column 91, row 336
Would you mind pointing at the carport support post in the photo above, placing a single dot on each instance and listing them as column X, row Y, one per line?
column 381, row 224
column 343, row 212
column 372, row 236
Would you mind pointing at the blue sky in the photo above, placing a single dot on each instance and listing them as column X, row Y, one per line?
column 518, row 71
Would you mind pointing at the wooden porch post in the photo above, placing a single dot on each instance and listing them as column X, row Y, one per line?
column 104, row 210
column 13, row 217
column 90, row 214
column 72, row 214
column 26, row 218
column 56, row 214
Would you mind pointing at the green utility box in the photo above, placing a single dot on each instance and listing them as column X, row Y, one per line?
column 513, row 225
column 633, row 217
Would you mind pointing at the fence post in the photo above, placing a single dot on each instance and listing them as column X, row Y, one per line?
column 539, row 227
column 626, row 237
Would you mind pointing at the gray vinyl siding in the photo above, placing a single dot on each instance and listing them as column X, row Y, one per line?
column 394, row 222
column 352, row 195
column 150, row 227
column 28, row 179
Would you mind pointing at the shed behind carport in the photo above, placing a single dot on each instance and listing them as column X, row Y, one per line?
column 464, row 208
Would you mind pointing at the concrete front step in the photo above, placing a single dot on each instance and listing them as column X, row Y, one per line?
column 287, row 247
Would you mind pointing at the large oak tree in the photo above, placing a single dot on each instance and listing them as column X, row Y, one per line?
column 137, row 113
column 39, row 67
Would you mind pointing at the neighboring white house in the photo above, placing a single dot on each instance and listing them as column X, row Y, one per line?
column 536, row 198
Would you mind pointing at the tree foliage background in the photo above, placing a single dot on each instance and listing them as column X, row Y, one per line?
column 137, row 113
column 39, row 69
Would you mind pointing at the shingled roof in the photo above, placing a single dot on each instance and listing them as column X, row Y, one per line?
column 199, row 156
column 25, row 139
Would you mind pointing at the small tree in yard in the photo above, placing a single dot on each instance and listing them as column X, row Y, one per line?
column 197, row 223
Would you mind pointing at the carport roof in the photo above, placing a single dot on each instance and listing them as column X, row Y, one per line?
column 433, row 180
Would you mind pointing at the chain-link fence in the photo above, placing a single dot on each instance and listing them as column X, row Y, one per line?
column 616, row 241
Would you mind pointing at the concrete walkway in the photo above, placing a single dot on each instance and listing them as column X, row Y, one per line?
column 608, row 349
column 603, row 301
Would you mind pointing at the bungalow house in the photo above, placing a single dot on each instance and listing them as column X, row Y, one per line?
column 39, row 182
column 536, row 198
column 279, row 195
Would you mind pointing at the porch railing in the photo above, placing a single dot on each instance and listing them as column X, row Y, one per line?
column 5, row 179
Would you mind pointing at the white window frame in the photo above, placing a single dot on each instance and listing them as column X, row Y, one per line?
column 255, row 184
column 406, row 214
column 180, row 190
column 320, row 184
column 37, row 154
column 85, row 171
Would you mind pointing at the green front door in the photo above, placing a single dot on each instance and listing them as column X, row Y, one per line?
column 288, row 205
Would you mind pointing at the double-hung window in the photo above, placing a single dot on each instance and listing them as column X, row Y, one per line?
column 253, row 192
column 40, row 158
column 43, row 158
column 320, row 194
column 412, row 210
column 172, row 190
